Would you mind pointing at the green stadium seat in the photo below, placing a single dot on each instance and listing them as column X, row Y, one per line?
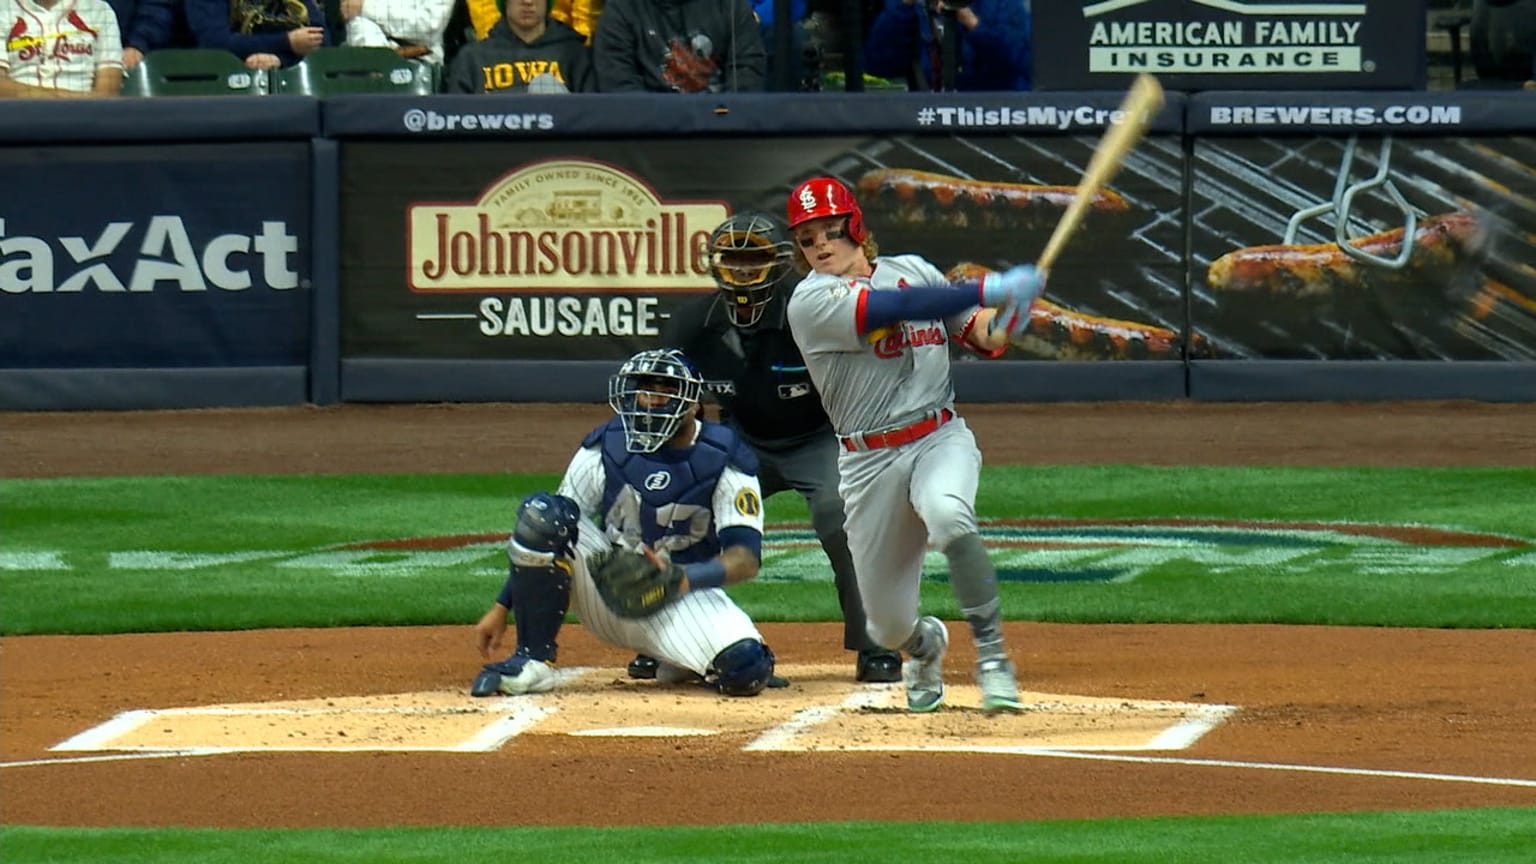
column 193, row 72
column 343, row 69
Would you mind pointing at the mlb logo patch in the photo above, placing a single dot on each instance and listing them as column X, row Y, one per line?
column 794, row 391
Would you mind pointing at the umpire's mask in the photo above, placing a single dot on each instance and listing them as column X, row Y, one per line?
column 749, row 255
column 651, row 393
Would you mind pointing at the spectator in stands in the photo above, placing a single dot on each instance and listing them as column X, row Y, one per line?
column 525, row 52
column 579, row 15
column 414, row 28
column 265, row 34
column 678, row 46
column 60, row 49
column 763, row 10
column 483, row 15
column 146, row 25
column 987, row 42
column 1503, row 42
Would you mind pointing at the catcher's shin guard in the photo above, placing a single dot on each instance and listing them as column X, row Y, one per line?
column 538, row 589
column 742, row 668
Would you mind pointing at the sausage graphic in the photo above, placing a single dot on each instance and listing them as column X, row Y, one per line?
column 1061, row 333
column 927, row 198
column 1317, row 270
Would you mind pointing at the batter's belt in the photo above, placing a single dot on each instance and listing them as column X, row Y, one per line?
column 897, row 437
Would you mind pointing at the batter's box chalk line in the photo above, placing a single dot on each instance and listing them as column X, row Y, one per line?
column 875, row 718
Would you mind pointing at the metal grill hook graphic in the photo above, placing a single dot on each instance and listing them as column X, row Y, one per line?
column 1344, row 193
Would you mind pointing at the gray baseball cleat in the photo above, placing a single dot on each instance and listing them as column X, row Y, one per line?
column 924, row 673
column 999, row 689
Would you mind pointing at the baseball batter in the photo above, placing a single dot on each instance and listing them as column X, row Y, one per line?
column 875, row 333
column 653, row 477
column 739, row 339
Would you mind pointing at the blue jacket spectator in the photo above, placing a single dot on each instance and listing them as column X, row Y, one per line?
column 263, row 33
column 993, row 52
column 764, row 9
column 146, row 25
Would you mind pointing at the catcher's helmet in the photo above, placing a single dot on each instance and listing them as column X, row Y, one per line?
column 749, row 256
column 820, row 197
column 651, row 393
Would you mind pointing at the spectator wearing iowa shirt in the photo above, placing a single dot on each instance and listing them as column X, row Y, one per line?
column 525, row 52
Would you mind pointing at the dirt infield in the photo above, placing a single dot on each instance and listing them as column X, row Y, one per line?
column 1327, row 719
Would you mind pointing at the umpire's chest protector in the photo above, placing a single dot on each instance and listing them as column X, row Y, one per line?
column 669, row 493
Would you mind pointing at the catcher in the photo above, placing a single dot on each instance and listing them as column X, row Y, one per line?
column 656, row 513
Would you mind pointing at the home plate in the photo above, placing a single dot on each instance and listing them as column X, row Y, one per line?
column 641, row 732
column 820, row 710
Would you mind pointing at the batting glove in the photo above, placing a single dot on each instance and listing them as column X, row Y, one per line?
column 1017, row 287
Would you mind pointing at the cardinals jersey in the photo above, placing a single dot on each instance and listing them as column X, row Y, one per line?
column 883, row 379
column 59, row 48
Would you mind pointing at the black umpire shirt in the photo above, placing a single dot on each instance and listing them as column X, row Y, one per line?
column 756, row 373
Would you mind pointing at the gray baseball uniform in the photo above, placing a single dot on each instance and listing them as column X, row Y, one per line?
column 904, row 492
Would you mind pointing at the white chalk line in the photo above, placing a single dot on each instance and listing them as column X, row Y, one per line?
column 523, row 712
column 1278, row 766
column 1045, row 753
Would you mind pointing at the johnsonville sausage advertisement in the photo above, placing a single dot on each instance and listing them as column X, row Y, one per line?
column 1365, row 248
column 581, row 250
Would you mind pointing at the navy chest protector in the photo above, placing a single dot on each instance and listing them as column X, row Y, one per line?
column 666, row 499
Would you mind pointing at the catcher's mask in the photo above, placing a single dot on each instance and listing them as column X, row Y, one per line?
column 652, row 393
column 749, row 255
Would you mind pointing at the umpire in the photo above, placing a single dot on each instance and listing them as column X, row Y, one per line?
column 738, row 338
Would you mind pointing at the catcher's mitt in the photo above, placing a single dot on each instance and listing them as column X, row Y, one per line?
column 634, row 585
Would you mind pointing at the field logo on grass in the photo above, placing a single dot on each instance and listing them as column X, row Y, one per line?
column 1120, row 550
column 1025, row 550
column 1096, row 550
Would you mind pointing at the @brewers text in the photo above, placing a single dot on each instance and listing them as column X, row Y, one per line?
column 420, row 120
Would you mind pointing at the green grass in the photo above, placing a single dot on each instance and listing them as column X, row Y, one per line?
column 210, row 553
column 1479, row 836
column 108, row 555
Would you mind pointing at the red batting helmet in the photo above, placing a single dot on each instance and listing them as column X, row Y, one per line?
column 820, row 197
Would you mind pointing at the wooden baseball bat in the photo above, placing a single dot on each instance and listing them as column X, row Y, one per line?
column 1142, row 101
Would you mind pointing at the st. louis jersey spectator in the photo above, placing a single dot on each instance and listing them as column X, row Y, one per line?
column 60, row 49
column 990, row 44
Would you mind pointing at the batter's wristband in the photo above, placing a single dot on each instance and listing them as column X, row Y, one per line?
column 710, row 574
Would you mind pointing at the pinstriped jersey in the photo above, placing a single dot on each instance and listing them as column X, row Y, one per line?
column 676, row 500
column 870, row 381
column 59, row 48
